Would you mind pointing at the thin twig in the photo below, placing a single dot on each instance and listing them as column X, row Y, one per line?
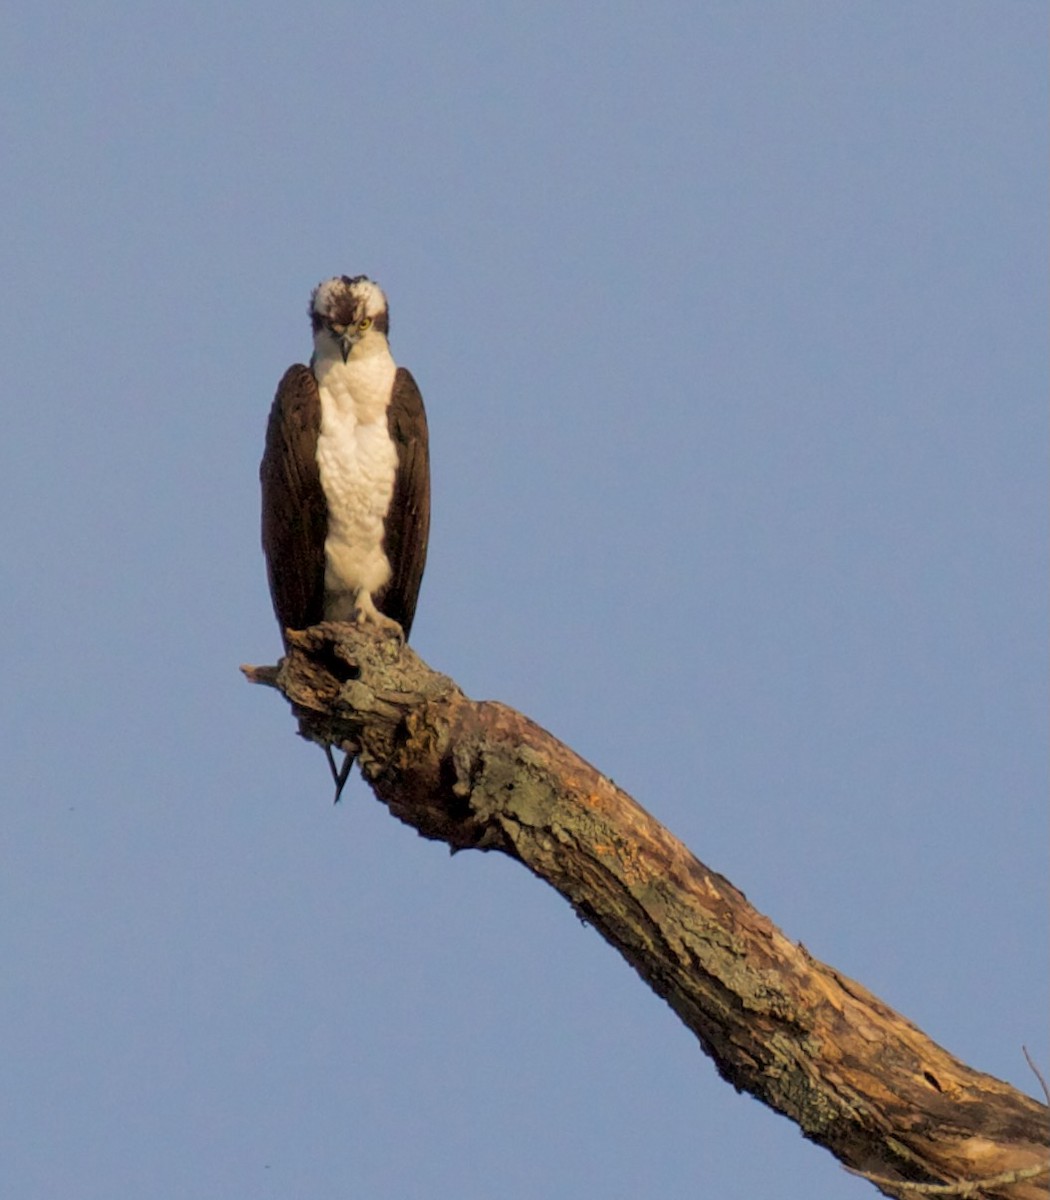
column 1037, row 1073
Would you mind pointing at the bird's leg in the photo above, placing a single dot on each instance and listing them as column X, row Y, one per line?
column 366, row 613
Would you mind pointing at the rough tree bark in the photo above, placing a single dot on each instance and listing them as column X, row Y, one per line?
column 853, row 1074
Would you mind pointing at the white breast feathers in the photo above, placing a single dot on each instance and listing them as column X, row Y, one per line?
column 357, row 462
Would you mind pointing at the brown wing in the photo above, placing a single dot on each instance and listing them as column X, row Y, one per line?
column 294, row 515
column 408, row 518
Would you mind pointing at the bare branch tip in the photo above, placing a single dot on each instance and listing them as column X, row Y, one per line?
column 267, row 676
column 1037, row 1073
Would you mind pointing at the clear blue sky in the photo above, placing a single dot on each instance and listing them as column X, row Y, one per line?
column 730, row 319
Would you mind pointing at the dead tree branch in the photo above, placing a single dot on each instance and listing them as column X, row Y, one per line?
column 854, row 1075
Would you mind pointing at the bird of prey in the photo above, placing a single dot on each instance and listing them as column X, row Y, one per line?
column 346, row 475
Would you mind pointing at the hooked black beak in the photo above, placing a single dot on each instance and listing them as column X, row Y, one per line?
column 345, row 337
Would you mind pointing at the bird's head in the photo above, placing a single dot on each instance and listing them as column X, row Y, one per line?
column 349, row 316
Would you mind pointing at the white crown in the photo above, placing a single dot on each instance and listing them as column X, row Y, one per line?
column 363, row 290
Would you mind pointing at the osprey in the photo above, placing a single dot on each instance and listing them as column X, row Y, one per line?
column 346, row 476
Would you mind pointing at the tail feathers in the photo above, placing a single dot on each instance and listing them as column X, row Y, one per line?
column 341, row 773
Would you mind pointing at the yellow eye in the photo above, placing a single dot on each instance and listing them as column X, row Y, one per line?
column 364, row 323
